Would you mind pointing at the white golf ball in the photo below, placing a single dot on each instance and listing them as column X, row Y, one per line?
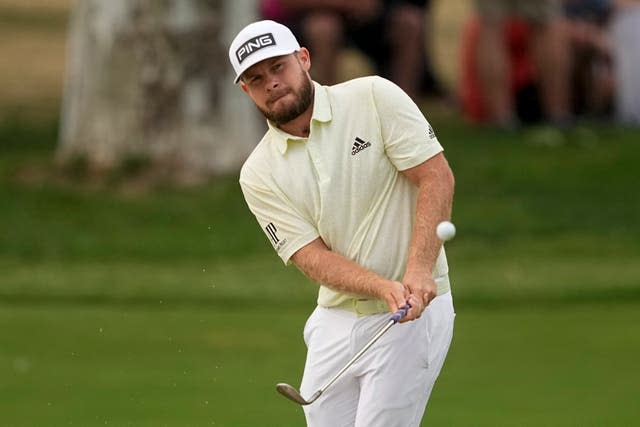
column 446, row 230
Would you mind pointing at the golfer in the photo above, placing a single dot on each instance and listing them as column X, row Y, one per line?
column 348, row 184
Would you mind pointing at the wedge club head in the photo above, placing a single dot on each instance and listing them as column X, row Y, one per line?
column 292, row 394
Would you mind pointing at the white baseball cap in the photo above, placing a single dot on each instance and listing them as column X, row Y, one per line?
column 259, row 41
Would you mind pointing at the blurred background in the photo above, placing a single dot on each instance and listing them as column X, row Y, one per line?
column 136, row 289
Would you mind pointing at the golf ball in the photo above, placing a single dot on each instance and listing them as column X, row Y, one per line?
column 446, row 230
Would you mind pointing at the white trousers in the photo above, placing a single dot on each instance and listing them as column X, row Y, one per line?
column 390, row 385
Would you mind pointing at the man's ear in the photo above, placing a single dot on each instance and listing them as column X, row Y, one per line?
column 243, row 86
column 305, row 58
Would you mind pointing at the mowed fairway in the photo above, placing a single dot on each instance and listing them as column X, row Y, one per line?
column 169, row 308
column 181, row 366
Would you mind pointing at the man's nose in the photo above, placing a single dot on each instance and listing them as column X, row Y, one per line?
column 272, row 83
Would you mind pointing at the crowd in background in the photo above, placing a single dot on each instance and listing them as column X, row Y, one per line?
column 521, row 61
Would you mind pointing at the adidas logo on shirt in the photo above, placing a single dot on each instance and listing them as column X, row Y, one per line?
column 359, row 145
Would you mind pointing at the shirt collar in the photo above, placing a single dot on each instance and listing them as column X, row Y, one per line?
column 321, row 113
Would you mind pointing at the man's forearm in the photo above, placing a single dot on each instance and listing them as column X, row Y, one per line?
column 337, row 272
column 433, row 205
column 343, row 275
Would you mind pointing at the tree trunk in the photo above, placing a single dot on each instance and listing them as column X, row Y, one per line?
column 151, row 79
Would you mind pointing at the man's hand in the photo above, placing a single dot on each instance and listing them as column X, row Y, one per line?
column 422, row 289
column 398, row 294
column 395, row 295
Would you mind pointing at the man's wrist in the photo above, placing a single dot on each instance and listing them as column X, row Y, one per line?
column 418, row 271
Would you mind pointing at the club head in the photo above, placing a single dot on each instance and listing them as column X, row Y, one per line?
column 294, row 395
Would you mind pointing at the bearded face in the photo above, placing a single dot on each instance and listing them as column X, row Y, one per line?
column 289, row 103
column 280, row 87
column 286, row 104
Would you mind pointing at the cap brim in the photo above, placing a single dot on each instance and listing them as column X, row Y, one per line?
column 272, row 54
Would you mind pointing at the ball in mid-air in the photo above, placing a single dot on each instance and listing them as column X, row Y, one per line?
column 446, row 230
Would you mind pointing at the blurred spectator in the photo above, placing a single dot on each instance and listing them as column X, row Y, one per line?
column 549, row 54
column 590, row 55
column 521, row 81
column 391, row 33
column 625, row 30
column 592, row 70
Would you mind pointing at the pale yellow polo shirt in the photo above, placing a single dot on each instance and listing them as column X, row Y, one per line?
column 342, row 183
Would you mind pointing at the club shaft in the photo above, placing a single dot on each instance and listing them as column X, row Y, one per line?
column 294, row 395
column 358, row 355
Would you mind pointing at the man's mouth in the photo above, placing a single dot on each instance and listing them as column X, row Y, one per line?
column 275, row 98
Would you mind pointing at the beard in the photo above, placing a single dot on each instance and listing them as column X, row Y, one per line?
column 303, row 98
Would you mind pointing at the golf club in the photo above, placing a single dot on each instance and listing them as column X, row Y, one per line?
column 291, row 393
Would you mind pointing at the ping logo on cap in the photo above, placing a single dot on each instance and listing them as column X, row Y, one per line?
column 254, row 45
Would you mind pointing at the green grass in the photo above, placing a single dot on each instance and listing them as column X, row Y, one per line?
column 147, row 366
column 541, row 366
column 170, row 308
column 193, row 366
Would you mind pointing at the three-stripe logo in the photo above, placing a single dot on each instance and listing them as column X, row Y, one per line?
column 271, row 231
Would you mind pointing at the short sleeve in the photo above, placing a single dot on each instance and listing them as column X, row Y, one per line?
column 284, row 226
column 408, row 137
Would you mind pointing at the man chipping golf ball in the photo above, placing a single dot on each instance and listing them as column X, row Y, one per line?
column 349, row 184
